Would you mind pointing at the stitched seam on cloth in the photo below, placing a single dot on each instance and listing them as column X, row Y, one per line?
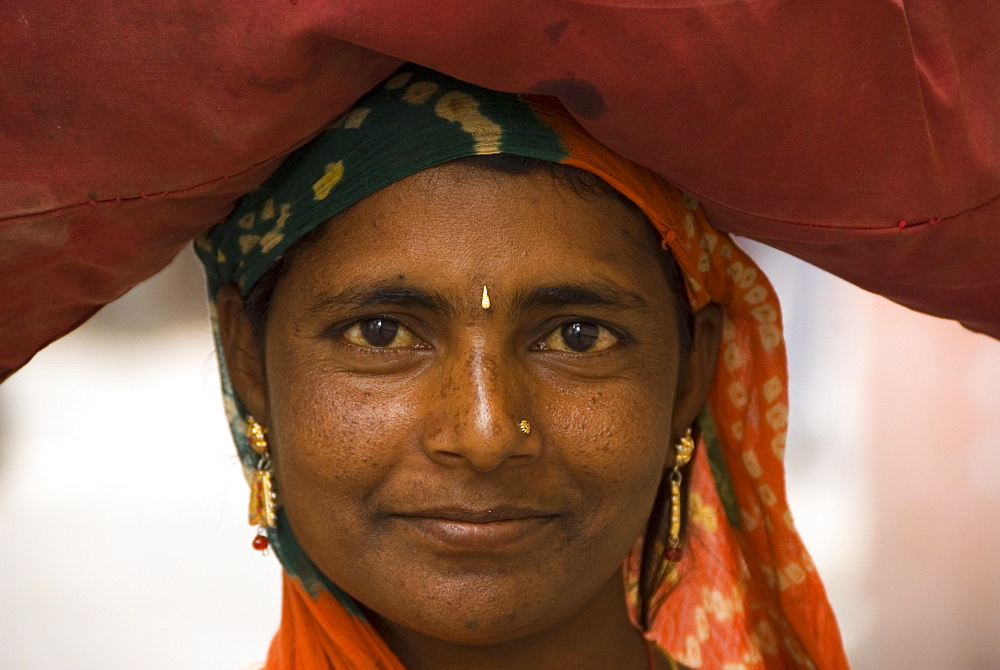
column 146, row 196
column 859, row 229
column 655, row 6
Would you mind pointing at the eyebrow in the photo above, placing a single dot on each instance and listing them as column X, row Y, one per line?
column 587, row 295
column 376, row 294
column 364, row 295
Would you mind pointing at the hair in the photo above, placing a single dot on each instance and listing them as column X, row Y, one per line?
column 586, row 185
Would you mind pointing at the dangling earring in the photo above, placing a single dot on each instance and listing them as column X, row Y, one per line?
column 263, row 500
column 685, row 449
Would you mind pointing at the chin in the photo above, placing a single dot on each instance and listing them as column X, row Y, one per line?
column 478, row 624
column 482, row 609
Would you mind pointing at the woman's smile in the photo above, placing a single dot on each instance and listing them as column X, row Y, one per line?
column 500, row 530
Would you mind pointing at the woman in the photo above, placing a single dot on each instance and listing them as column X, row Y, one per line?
column 470, row 393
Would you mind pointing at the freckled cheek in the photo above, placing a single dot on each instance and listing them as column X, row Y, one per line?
column 616, row 444
column 335, row 442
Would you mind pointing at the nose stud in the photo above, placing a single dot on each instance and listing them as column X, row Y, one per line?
column 525, row 427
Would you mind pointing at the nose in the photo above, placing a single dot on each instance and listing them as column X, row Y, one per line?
column 477, row 421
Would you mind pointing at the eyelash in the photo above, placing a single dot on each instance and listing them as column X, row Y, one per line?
column 337, row 331
column 553, row 327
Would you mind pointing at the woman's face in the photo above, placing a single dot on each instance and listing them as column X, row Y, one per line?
column 392, row 400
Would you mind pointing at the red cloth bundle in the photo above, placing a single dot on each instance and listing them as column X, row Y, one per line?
column 862, row 136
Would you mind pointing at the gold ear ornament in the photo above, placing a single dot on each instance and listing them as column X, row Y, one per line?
column 685, row 450
column 263, row 511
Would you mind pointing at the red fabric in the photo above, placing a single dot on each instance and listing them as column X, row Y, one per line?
column 127, row 127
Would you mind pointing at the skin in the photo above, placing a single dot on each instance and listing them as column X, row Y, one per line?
column 400, row 466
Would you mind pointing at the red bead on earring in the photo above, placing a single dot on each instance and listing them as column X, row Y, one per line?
column 260, row 542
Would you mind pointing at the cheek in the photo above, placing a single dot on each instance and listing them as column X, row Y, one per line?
column 616, row 441
column 322, row 431
column 335, row 444
column 335, row 423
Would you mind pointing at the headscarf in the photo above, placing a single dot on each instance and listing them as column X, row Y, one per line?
column 745, row 594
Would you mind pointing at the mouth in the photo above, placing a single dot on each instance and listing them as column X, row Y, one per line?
column 497, row 529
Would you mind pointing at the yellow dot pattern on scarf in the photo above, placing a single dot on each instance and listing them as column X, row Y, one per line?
column 331, row 177
column 463, row 109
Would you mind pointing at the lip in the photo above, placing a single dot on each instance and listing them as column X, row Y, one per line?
column 478, row 530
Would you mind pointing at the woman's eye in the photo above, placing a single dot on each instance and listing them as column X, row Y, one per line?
column 381, row 333
column 580, row 337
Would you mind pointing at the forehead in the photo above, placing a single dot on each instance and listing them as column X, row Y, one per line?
column 483, row 226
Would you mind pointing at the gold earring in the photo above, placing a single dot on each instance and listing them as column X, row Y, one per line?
column 263, row 499
column 685, row 449
column 486, row 299
column 255, row 433
column 525, row 427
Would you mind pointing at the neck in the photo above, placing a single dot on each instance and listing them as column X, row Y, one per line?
column 599, row 636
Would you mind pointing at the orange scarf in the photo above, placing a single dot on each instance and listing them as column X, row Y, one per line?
column 747, row 595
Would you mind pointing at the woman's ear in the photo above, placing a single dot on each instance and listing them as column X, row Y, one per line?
column 244, row 358
column 697, row 372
